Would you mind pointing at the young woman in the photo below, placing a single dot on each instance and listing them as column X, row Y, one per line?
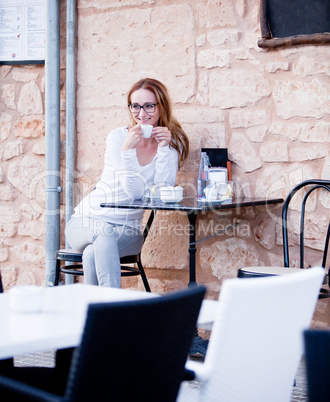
column 131, row 163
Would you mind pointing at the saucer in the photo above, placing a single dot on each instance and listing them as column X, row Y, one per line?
column 170, row 200
column 213, row 201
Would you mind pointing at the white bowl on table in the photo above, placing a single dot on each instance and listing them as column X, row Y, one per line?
column 171, row 194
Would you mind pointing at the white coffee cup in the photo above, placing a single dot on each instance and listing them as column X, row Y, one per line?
column 146, row 130
column 26, row 298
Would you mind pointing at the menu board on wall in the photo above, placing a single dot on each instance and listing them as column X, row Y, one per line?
column 22, row 31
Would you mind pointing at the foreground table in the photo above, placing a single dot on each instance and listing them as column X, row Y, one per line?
column 192, row 208
column 61, row 323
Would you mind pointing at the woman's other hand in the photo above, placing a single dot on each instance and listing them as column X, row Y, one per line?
column 162, row 135
column 133, row 137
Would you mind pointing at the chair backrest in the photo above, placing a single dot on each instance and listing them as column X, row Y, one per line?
column 135, row 350
column 317, row 354
column 256, row 341
column 309, row 186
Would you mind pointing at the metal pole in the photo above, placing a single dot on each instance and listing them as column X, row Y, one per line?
column 52, row 118
column 70, row 113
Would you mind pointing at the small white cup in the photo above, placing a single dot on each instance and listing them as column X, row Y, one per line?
column 146, row 130
column 26, row 299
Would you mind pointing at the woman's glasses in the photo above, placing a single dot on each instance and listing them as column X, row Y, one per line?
column 147, row 107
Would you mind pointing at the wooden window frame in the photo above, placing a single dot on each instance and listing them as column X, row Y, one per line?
column 268, row 41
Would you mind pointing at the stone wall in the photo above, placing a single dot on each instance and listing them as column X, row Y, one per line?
column 270, row 108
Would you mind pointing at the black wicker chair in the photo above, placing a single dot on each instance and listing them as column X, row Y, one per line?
column 309, row 186
column 317, row 352
column 108, row 365
column 75, row 259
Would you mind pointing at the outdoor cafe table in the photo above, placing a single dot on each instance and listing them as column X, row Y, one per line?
column 192, row 208
column 61, row 322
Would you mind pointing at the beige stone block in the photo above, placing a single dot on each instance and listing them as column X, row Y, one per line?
column 8, row 276
column 237, row 88
column 3, row 253
column 221, row 37
column 308, row 66
column 30, row 100
column 206, row 135
column 304, row 152
column 32, row 276
column 325, row 175
column 8, row 229
column 274, row 151
column 326, row 169
column 218, row 222
column 27, row 175
column 211, row 58
column 42, row 84
column 250, row 41
column 315, row 229
column 146, row 47
column 298, row 173
column 34, row 229
column 257, row 133
column 271, row 182
column 247, row 118
column 8, row 95
column 242, row 152
column 6, row 193
column 201, row 40
column 8, row 214
column 224, row 258
column 319, row 132
column 40, row 147
column 241, row 53
column 241, row 8
column 12, row 149
column 5, row 125
column 22, row 75
column 276, row 260
column 1, row 175
column 169, row 232
column 301, row 98
column 28, row 252
column 28, row 211
column 212, row 14
column 202, row 95
column 191, row 114
column 264, row 233
column 289, row 130
column 276, row 66
column 5, row 70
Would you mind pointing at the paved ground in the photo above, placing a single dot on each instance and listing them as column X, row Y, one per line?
column 188, row 391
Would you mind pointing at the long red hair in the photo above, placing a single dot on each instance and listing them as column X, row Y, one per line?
column 179, row 140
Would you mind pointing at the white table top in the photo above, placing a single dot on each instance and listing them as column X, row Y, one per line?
column 61, row 322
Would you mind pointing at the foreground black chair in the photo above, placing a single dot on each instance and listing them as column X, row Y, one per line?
column 317, row 352
column 75, row 262
column 110, row 366
column 309, row 186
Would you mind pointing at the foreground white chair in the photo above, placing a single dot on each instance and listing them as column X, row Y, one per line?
column 256, row 342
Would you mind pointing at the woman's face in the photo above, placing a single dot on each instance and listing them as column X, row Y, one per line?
column 146, row 98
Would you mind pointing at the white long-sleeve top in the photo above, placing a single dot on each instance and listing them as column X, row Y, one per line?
column 124, row 179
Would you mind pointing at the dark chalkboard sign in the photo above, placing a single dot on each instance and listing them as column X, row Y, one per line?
column 289, row 22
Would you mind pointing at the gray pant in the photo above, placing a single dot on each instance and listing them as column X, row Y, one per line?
column 102, row 245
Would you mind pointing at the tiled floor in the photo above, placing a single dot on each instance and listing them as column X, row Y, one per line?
column 188, row 392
